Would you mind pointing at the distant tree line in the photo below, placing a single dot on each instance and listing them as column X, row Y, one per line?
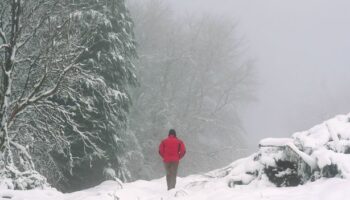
column 193, row 78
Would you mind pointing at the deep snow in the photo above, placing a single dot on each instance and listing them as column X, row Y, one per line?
column 325, row 189
column 323, row 145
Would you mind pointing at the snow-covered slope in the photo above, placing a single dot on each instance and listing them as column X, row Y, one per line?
column 324, row 189
column 305, row 159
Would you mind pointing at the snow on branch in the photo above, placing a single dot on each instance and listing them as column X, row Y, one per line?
column 65, row 72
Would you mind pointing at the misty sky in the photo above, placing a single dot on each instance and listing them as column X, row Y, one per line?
column 302, row 53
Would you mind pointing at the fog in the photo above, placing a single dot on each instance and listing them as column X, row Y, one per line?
column 200, row 61
column 301, row 57
column 90, row 87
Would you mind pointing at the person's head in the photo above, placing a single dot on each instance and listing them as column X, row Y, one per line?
column 172, row 132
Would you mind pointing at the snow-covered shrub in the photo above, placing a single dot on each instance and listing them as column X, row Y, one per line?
column 282, row 165
column 330, row 171
column 109, row 174
column 319, row 152
column 309, row 155
column 283, row 174
column 13, row 179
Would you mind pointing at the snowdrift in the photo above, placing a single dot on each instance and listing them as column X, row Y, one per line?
column 316, row 159
column 319, row 152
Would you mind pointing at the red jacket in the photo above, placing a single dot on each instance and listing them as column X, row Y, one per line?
column 172, row 149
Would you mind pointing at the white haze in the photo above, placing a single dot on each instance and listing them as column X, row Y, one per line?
column 301, row 50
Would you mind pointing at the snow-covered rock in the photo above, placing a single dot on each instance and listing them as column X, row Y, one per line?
column 309, row 155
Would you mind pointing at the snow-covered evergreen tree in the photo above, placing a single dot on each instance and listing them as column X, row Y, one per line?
column 66, row 69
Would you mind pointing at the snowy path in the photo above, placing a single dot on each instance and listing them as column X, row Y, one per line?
column 331, row 189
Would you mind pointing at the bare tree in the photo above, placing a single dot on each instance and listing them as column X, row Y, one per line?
column 32, row 41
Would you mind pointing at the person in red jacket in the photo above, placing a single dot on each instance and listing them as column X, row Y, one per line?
column 171, row 149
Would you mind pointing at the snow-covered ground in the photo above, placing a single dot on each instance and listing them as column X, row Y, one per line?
column 318, row 150
column 325, row 189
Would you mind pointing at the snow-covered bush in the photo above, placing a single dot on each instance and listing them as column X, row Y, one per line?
column 11, row 178
column 319, row 152
column 283, row 166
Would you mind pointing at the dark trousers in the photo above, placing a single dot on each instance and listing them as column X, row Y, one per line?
column 171, row 172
